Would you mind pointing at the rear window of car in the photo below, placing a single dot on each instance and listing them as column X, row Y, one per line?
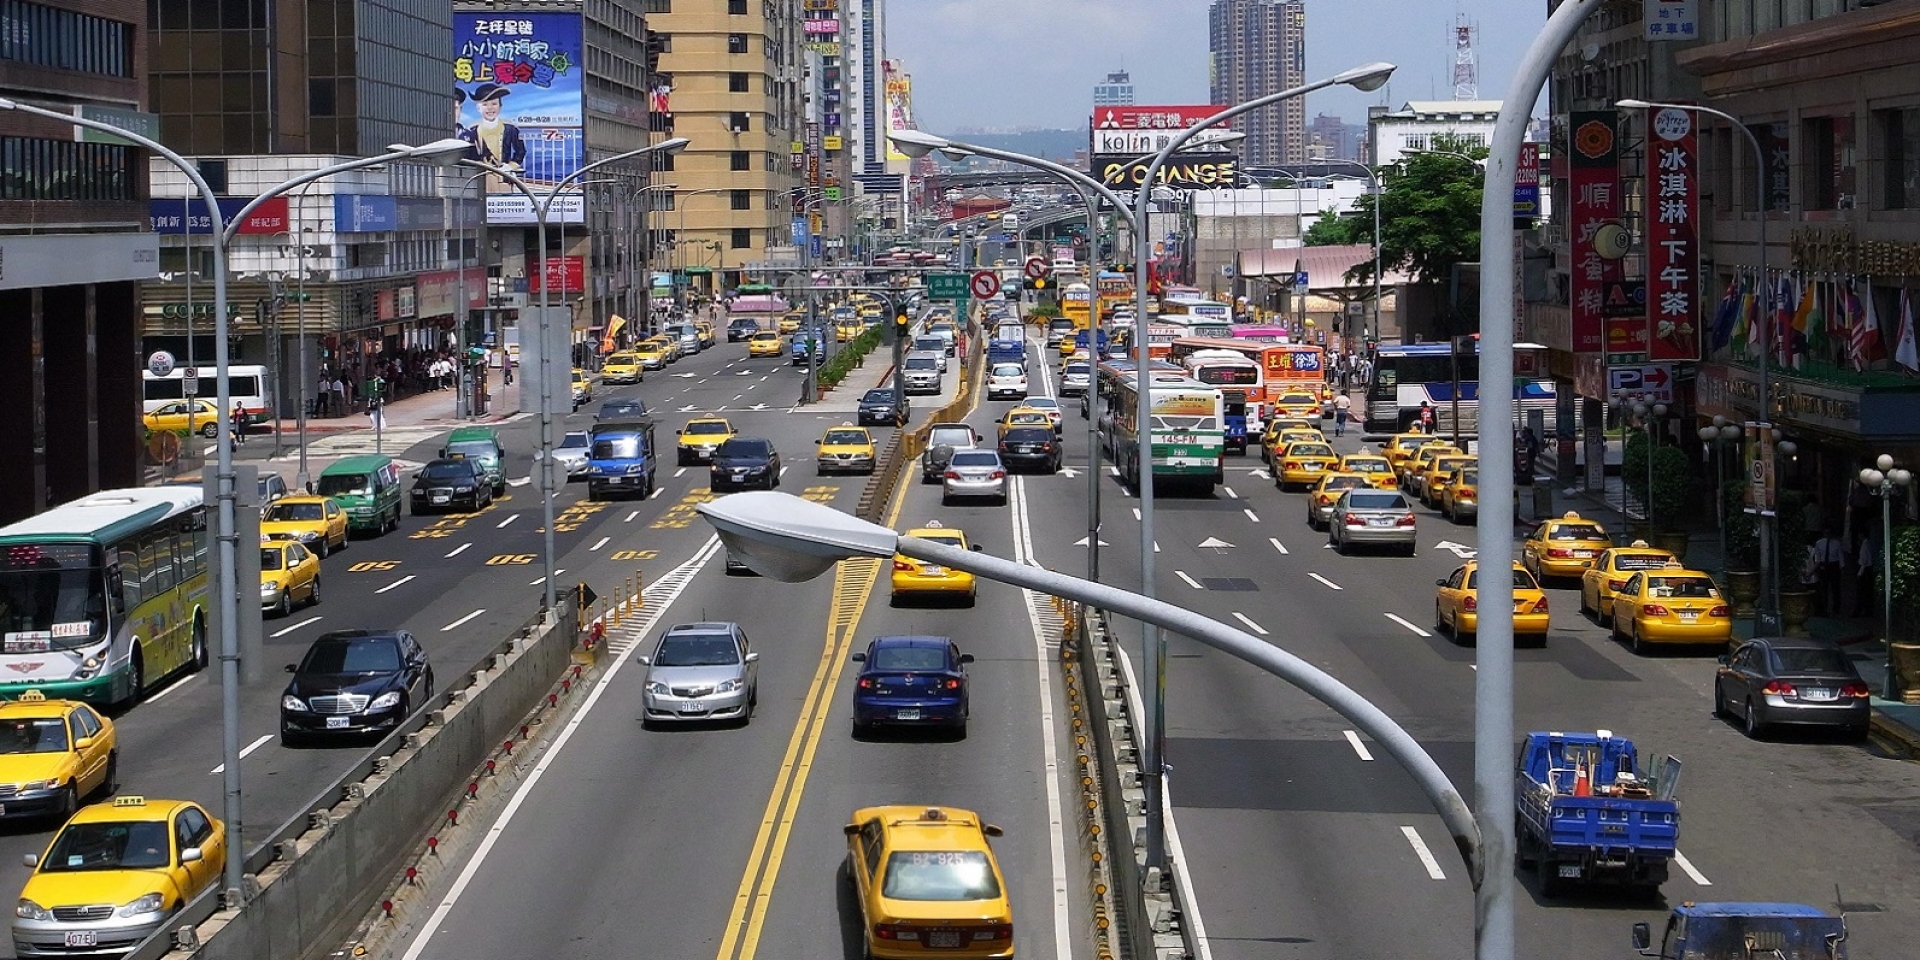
column 1029, row 435
column 1522, row 580
column 1810, row 660
column 1008, row 370
column 939, row 875
column 1376, row 501
column 908, row 658
column 1576, row 531
column 966, row 458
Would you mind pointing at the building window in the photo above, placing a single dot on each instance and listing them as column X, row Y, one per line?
column 659, row 6
column 737, row 8
column 737, row 121
column 736, row 43
column 742, row 238
column 736, row 82
column 662, row 162
column 34, row 169
column 1830, row 164
column 741, row 160
column 742, row 199
column 44, row 36
column 1902, row 128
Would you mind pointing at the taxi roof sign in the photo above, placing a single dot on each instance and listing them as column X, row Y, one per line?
column 1570, row 515
column 130, row 800
column 33, row 696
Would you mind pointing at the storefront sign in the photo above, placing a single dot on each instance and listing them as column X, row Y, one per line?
column 181, row 215
column 1840, row 250
column 1775, row 146
column 564, row 275
column 438, row 292
column 1671, row 19
column 1526, row 187
column 1594, row 173
column 828, row 25
column 832, row 143
column 396, row 303
column 354, row 213
column 1183, row 171
column 53, row 260
column 1866, row 413
column 1673, row 244
column 1757, row 454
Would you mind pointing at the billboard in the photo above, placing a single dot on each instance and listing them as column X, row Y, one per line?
column 1593, row 161
column 1183, row 171
column 517, row 98
column 1133, row 131
column 898, row 112
column 1673, row 237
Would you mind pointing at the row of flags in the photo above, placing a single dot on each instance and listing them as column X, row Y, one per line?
column 1820, row 319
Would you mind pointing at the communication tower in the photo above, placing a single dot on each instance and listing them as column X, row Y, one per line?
column 1466, row 66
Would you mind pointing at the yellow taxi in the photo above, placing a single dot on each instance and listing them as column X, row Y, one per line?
column 172, row 416
column 1069, row 350
column 1610, row 571
column 1025, row 416
column 114, row 874
column 1378, row 471
column 846, row 330
column 1413, row 469
column 1458, row 497
column 913, row 578
column 622, row 367
column 317, row 523
column 1403, row 445
column 1298, row 403
column 765, row 343
column 582, row 387
column 1284, row 437
column 1302, row 462
column 790, row 322
column 650, row 354
column 845, row 449
column 1564, row 547
column 1326, row 493
column 870, row 311
column 700, row 437
column 1434, row 473
column 928, row 883
column 1670, row 605
column 54, row 753
column 1456, row 605
column 289, row 572
column 704, row 330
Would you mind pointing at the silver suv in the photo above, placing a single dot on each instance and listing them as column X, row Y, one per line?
column 943, row 439
column 922, row 372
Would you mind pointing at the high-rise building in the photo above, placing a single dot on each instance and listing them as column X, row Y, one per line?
column 1332, row 138
column 74, row 247
column 1115, row 91
column 864, row 55
column 1259, row 47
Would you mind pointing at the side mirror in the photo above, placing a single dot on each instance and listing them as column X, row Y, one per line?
column 1440, row 582
column 850, row 829
column 818, row 442
column 83, row 743
column 30, row 861
column 992, row 831
column 678, row 432
column 1642, row 936
column 443, row 453
column 753, row 657
column 643, row 660
column 976, row 548
column 1723, row 659
column 292, row 667
column 966, row 658
column 860, row 657
column 190, row 855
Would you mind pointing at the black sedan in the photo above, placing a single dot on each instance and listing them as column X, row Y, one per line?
column 1772, row 682
column 745, row 463
column 354, row 682
column 445, row 485
column 621, row 409
column 882, row 405
column 742, row 328
column 1030, row 449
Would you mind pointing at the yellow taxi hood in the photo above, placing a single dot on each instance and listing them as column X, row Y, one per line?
column 24, row 767
column 270, row 527
column 280, row 576
column 78, row 887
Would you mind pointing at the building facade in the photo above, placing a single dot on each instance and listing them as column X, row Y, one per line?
column 1421, row 125
column 1258, row 47
column 1115, row 91
column 1332, row 138
column 74, row 248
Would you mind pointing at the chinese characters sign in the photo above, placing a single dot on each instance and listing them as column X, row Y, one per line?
column 1594, row 180
column 1133, row 131
column 1526, row 187
column 1673, row 238
column 181, row 215
column 518, row 100
column 1671, row 19
column 564, row 275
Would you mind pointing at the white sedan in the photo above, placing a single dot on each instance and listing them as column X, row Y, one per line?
column 1007, row 381
column 1051, row 406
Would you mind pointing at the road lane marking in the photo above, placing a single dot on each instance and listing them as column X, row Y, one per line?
column 657, row 491
column 1230, row 493
column 1191, row 582
column 1426, row 856
column 736, row 397
column 1113, row 470
column 283, row 631
column 1358, row 747
column 1277, row 545
column 396, row 583
column 677, row 474
column 1256, row 628
column 169, row 688
column 463, row 620
column 459, row 550
column 245, row 751
column 1136, row 513
column 1692, row 872
column 1251, row 515
column 511, row 517
column 541, row 580
column 1396, row 618
column 1050, row 760
column 630, row 516
column 600, row 543
column 1324, row 580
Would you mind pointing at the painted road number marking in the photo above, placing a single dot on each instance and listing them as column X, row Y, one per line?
column 507, row 559
column 633, row 555
column 370, row 566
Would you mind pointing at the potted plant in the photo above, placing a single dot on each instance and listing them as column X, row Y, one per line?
column 1743, row 549
column 1796, row 585
column 1664, row 490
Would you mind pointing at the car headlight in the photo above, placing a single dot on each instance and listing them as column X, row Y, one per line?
column 636, row 468
column 726, row 686
column 657, row 688
column 28, row 910
column 87, row 668
column 464, row 488
column 32, row 786
column 290, row 702
column 148, row 903
column 269, row 587
column 385, row 701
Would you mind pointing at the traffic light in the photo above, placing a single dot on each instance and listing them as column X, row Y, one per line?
column 1037, row 283
column 901, row 323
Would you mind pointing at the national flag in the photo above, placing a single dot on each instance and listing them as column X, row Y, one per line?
column 1816, row 328
column 1744, row 324
column 1905, row 351
column 1783, row 314
column 1723, row 316
column 1866, row 347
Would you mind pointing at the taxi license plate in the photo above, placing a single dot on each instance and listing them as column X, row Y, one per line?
column 943, row 938
column 1689, row 616
column 82, row 938
column 907, row 714
column 337, row 723
column 1583, row 554
column 1311, row 465
column 933, row 571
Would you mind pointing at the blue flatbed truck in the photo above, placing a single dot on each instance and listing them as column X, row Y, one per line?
column 1587, row 815
column 1746, row 931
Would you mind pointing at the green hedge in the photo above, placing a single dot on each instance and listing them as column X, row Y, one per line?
column 847, row 358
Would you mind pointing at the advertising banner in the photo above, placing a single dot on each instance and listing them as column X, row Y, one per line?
column 1183, row 171
column 1526, row 187
column 439, row 291
column 182, row 215
column 898, row 112
column 1132, row 131
column 564, row 275
column 518, row 99
column 1673, row 237
column 1594, row 181
column 365, row 213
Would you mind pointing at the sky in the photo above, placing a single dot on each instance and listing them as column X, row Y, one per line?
column 1010, row 64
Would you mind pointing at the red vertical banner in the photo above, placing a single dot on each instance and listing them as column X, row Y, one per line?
column 1673, row 237
column 1593, row 175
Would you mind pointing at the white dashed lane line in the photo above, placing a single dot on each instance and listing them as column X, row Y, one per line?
column 1358, row 747
column 463, row 620
column 1251, row 515
column 1324, row 580
column 1256, row 628
column 1277, row 545
column 1191, row 582
column 456, row 551
column 510, row 518
column 1403, row 621
column 1426, row 856
column 400, row 582
column 283, row 631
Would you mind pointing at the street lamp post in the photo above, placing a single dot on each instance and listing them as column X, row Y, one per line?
column 1887, row 482
column 1650, row 417
column 541, row 206
column 1766, row 617
column 462, row 404
column 1368, row 77
column 1717, row 436
column 644, row 308
column 1373, row 180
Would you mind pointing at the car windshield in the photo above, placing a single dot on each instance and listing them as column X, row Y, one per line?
column 877, row 396
column 1358, row 500
column 352, row 655
column 447, row 471
column 334, row 484
column 939, row 875
column 1576, row 531
column 272, row 558
column 621, row 408
column 913, row 658
column 922, row 363
column 1029, row 435
column 1008, row 370
column 970, row 458
column 1787, row 660
column 287, row 512
column 35, row 735
column 696, row 650
column 746, row 448
column 110, row 845
column 1692, row 588
column 708, row 427
column 574, row 441
column 616, row 448
column 474, row 449
column 846, row 436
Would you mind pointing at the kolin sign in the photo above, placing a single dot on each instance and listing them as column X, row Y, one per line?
column 1594, row 169
column 1673, row 245
column 1132, row 131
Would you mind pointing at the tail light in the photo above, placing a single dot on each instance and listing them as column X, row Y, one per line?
column 1559, row 553
column 1656, row 610
column 1355, row 520
column 1540, row 605
column 902, row 565
column 1406, row 520
column 1001, row 931
column 895, row 931
column 998, row 475
column 1616, row 585
column 1858, row 691
column 953, row 474
column 866, row 683
column 1777, row 688
column 1467, row 492
column 951, row 684
column 1719, row 611
column 1047, row 447
column 1470, row 604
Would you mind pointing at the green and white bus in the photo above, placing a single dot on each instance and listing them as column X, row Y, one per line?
column 102, row 596
column 1187, row 432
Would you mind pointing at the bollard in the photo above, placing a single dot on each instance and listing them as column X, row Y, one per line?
column 413, row 876
column 489, row 768
column 386, row 907
column 473, row 791
column 433, row 846
column 453, row 817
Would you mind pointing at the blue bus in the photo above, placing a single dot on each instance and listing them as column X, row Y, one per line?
column 1405, row 375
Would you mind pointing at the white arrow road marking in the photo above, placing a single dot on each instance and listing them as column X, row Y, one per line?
column 1324, row 580
column 1214, row 543
column 462, row 620
column 519, row 481
column 458, row 550
column 758, row 406
column 384, row 589
column 745, row 373
column 1083, row 542
column 1260, row 474
column 283, row 631
column 1069, row 472
column 1460, row 550
column 1396, row 618
column 1358, row 747
column 686, row 376
column 1191, row 582
column 1256, row 628
column 245, row 752
column 1426, row 856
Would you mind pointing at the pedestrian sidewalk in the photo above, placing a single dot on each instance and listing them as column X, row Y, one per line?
column 416, row 409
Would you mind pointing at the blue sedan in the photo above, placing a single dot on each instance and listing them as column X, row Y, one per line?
column 911, row 681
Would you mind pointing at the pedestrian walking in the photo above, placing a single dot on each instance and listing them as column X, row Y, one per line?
column 339, row 391
column 1341, row 407
column 238, row 422
column 1426, row 417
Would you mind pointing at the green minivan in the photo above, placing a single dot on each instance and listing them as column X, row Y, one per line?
column 482, row 444
column 368, row 489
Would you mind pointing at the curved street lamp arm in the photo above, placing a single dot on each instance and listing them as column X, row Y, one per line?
column 232, row 226
column 1067, row 173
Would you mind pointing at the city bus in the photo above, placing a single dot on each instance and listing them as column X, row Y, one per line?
column 1076, row 304
column 1114, row 290
column 102, row 596
column 1202, row 318
column 249, row 385
column 1261, row 333
column 1186, row 429
column 1284, row 368
column 1405, row 375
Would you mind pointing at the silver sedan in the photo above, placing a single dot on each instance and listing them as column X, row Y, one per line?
column 1364, row 516
column 701, row 671
column 974, row 473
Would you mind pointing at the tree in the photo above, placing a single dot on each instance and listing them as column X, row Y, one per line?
column 1429, row 217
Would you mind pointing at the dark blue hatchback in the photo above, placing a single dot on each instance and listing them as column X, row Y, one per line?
column 911, row 681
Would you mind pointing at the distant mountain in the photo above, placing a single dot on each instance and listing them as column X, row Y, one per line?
column 1046, row 144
